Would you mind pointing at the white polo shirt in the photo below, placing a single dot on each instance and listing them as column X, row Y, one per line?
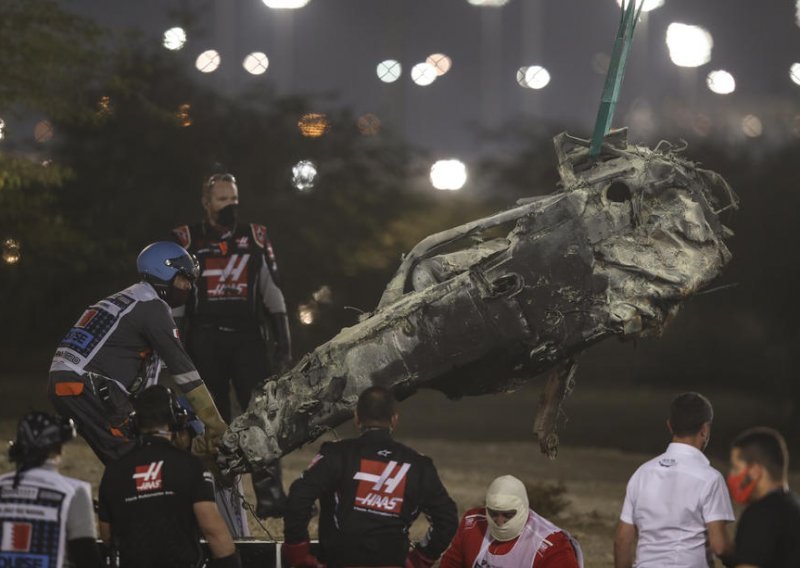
column 670, row 499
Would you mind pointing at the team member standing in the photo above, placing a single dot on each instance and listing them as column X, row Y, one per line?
column 115, row 349
column 45, row 517
column 768, row 534
column 371, row 489
column 157, row 500
column 236, row 309
column 677, row 503
column 508, row 533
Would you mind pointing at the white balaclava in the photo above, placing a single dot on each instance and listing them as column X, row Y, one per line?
column 507, row 493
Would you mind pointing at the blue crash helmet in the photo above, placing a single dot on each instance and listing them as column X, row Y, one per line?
column 160, row 262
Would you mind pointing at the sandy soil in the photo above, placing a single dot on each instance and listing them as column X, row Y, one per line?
column 475, row 440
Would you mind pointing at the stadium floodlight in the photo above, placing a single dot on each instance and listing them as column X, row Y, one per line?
column 208, row 61
column 304, row 175
column 423, row 74
column 533, row 77
column 794, row 73
column 721, row 82
column 448, row 175
column 689, row 46
column 174, row 38
column 256, row 63
column 285, row 4
column 389, row 70
column 647, row 5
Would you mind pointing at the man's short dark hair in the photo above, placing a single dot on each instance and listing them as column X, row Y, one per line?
column 154, row 408
column 688, row 412
column 376, row 404
column 766, row 447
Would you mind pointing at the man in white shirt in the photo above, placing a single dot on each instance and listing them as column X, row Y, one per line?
column 677, row 504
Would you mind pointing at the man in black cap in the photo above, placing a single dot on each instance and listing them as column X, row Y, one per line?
column 157, row 500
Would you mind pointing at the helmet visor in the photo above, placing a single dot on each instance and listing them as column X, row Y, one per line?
column 185, row 265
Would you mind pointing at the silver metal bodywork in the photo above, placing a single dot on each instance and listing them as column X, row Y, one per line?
column 612, row 252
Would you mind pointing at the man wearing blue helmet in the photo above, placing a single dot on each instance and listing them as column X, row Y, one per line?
column 116, row 349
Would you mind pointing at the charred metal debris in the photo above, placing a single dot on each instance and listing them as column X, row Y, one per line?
column 629, row 234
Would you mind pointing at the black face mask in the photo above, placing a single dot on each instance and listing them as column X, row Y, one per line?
column 227, row 215
column 175, row 298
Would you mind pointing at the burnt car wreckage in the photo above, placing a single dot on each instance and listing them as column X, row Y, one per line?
column 628, row 235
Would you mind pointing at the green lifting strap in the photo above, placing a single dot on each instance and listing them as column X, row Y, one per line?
column 616, row 71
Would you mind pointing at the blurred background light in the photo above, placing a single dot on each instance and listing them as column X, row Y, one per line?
column 306, row 313
column 43, row 131
column 389, row 71
column 184, row 119
column 647, row 5
column 313, row 124
column 423, row 74
column 304, row 175
column 104, row 106
column 689, row 46
column 2, row 129
column 208, row 61
column 794, row 73
column 448, row 175
column 493, row 3
column 285, row 4
column 533, row 77
column 797, row 12
column 368, row 124
column 440, row 62
column 721, row 82
column 751, row 126
column 11, row 253
column 324, row 295
column 256, row 63
column 174, row 38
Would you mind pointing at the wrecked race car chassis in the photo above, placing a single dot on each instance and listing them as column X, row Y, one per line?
column 612, row 252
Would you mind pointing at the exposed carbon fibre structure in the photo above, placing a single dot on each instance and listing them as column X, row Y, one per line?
column 612, row 252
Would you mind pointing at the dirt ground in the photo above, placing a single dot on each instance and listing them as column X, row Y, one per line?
column 475, row 440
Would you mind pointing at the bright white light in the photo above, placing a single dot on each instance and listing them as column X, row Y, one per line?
column 449, row 175
column 751, row 126
column 797, row 12
column 647, row 5
column 441, row 63
column 389, row 71
column 423, row 74
column 689, row 46
column 208, row 61
column 256, row 63
column 721, row 82
column 533, row 77
column 174, row 38
column 2, row 128
column 493, row 3
column 794, row 73
column 304, row 175
column 285, row 4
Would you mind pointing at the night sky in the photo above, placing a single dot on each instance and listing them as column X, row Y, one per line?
column 329, row 50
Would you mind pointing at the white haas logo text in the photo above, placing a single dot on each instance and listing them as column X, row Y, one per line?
column 228, row 278
column 148, row 477
column 381, row 489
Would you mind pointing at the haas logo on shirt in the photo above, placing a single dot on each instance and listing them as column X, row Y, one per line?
column 148, row 477
column 226, row 277
column 381, row 486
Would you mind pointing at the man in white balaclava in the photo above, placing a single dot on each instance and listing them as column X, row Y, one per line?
column 508, row 534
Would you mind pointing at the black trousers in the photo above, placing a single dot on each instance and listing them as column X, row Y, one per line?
column 222, row 357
